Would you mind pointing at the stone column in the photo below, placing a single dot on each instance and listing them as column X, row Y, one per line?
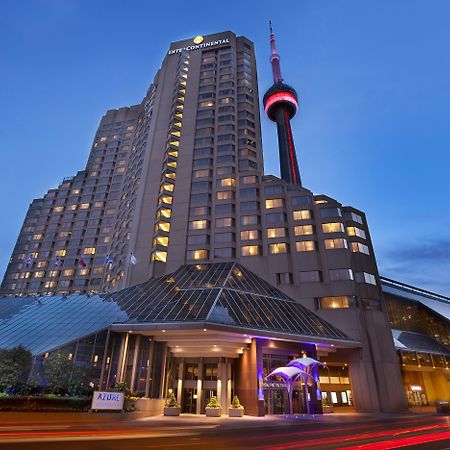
column 134, row 369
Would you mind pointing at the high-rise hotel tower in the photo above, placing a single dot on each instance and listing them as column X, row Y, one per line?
column 179, row 179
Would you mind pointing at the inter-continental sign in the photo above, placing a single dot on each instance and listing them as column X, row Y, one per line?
column 107, row 400
column 197, row 46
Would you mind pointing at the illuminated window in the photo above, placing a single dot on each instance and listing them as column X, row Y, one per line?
column 161, row 240
column 97, row 270
column 302, row 230
column 208, row 104
column 333, row 227
column 276, row 232
column 305, row 246
column 331, row 244
column 338, row 302
column 249, row 235
column 75, row 191
column 353, row 216
column 320, row 201
column 103, row 139
column 163, row 212
column 163, row 226
column 198, row 224
column 168, row 187
column 310, row 276
column 197, row 254
column 274, row 203
column 358, row 247
column 39, row 274
column 301, row 214
column 61, row 252
column 170, row 175
column 172, row 164
column 36, row 237
column 98, row 204
column 249, row 179
column 201, row 173
column 280, row 247
column 249, row 220
column 42, row 264
column 225, row 195
column 58, row 209
column 89, row 251
column 341, row 274
column 167, row 199
column 355, row 231
column 84, row 206
column 84, row 271
column 224, row 222
column 68, row 272
column 53, row 273
column 224, row 182
column 159, row 255
column 364, row 277
column 72, row 207
column 250, row 250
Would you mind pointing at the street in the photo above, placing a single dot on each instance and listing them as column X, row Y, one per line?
column 345, row 432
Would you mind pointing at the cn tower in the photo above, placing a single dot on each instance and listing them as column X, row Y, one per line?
column 281, row 105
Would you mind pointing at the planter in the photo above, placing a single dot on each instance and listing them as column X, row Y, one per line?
column 327, row 409
column 236, row 412
column 213, row 412
column 171, row 411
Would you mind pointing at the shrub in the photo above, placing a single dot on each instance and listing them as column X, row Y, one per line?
column 171, row 401
column 213, row 403
column 236, row 403
column 15, row 365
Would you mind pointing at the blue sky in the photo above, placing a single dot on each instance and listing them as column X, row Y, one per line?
column 373, row 79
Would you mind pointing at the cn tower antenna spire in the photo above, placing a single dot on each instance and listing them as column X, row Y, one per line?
column 281, row 105
column 274, row 57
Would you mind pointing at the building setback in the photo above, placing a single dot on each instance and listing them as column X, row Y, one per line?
column 179, row 179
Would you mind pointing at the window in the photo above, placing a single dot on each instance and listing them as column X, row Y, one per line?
column 353, row 216
column 198, row 224
column 89, row 251
column 330, row 212
column 84, row 271
column 371, row 304
column 39, row 274
column 191, row 371
column 210, row 371
column 248, row 192
column 200, row 198
column 250, row 250
column 167, row 199
column 355, row 231
column 249, row 220
column 249, row 179
column 310, row 276
column 226, row 208
column 161, row 240
column 338, row 302
column 364, row 277
column 249, row 235
column 198, row 239
column 273, row 218
column 333, row 227
column 197, row 254
column 280, row 247
column 163, row 226
column 358, row 247
column 305, row 246
column 275, row 189
column 61, row 252
column 201, row 173
column 274, row 203
column 225, row 195
column 249, row 206
column 224, row 222
column 331, row 244
column 341, row 274
column 303, row 230
column 301, row 214
column 166, row 213
column 199, row 211
column 226, row 252
column 276, row 232
column 284, row 278
column 303, row 200
column 224, row 182
column 159, row 255
column 225, row 237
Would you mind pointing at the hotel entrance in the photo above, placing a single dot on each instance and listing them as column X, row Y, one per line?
column 189, row 403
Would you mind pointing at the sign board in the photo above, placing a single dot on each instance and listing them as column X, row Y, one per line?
column 107, row 400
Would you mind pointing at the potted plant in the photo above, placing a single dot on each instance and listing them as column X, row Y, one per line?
column 236, row 409
column 172, row 407
column 213, row 408
column 326, row 406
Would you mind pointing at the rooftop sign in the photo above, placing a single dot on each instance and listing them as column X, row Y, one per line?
column 198, row 43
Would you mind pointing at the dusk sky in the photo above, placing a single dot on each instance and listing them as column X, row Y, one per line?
column 373, row 79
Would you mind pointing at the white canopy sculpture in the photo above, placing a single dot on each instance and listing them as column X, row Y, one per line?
column 295, row 369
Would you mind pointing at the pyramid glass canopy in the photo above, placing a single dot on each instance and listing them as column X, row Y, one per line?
column 225, row 294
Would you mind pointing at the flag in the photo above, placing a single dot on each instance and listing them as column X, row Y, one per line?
column 108, row 260
column 81, row 262
column 58, row 262
column 29, row 261
column 133, row 259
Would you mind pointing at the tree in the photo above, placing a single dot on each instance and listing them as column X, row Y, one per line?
column 15, row 365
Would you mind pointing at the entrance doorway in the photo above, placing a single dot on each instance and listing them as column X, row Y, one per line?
column 189, row 404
